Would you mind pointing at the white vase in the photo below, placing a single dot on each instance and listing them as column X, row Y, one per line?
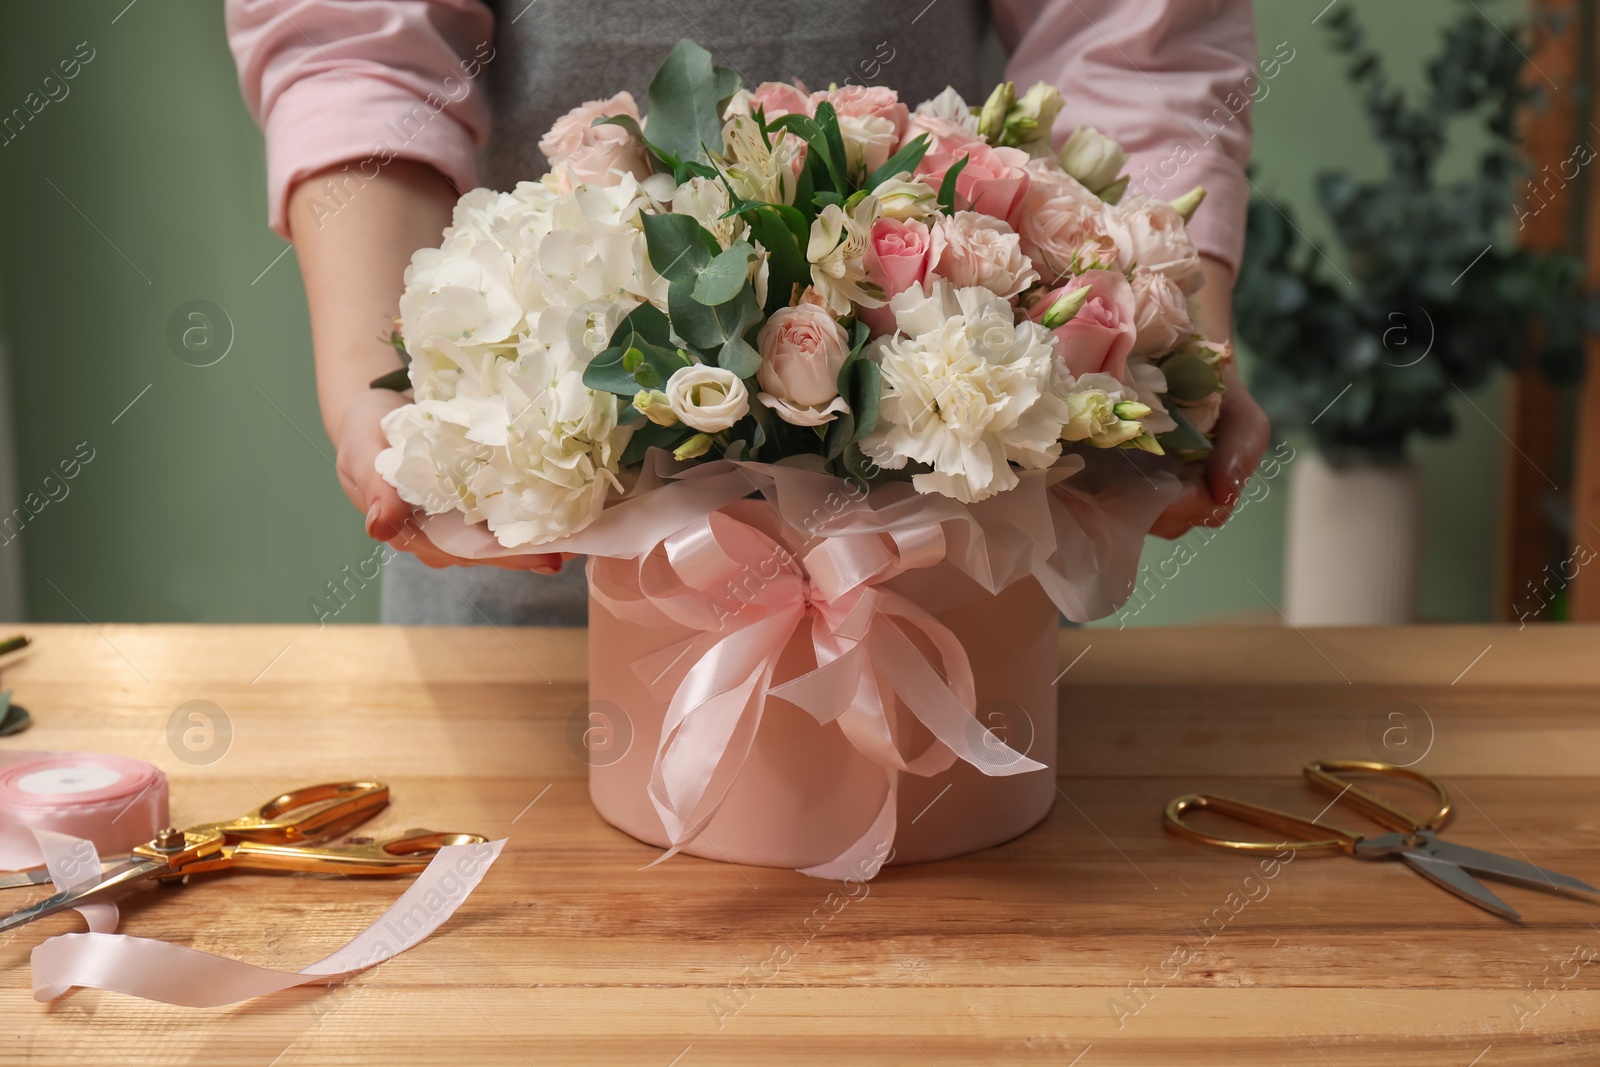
column 1354, row 547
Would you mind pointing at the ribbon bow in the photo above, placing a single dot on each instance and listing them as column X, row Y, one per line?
column 731, row 576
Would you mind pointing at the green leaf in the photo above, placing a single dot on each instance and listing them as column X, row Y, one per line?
column 822, row 145
column 1186, row 442
column 679, row 247
column 687, row 96
column 947, row 188
column 606, row 374
column 828, row 122
column 14, row 718
column 903, row 161
column 738, row 356
column 1188, row 378
column 651, row 436
column 772, row 228
column 398, row 379
column 709, row 328
column 669, row 160
column 644, row 324
column 725, row 275
column 866, row 387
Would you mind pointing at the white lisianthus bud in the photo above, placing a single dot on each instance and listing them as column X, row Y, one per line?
column 1130, row 409
column 705, row 398
column 693, row 448
column 992, row 119
column 906, row 200
column 1028, row 125
column 1145, row 443
column 654, row 405
column 1093, row 158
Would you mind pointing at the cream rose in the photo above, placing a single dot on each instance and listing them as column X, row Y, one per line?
column 1150, row 233
column 1064, row 227
column 970, row 248
column 709, row 399
column 802, row 350
column 1161, row 314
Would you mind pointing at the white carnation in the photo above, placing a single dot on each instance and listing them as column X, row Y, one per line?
column 967, row 390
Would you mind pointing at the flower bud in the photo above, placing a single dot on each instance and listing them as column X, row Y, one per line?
column 1145, row 443
column 1186, row 203
column 906, row 200
column 653, row 405
column 992, row 119
column 693, row 448
column 1093, row 158
column 1062, row 311
column 1130, row 409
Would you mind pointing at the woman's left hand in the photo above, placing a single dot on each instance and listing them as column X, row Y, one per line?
column 1211, row 489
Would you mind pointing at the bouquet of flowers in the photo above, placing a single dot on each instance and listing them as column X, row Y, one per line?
column 829, row 279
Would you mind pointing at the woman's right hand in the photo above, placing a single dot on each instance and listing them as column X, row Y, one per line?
column 390, row 519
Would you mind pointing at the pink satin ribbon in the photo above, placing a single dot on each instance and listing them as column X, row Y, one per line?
column 174, row 974
column 113, row 801
column 685, row 547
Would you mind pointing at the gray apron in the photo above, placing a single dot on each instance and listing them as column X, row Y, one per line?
column 552, row 55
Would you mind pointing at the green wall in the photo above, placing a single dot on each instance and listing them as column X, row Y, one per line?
column 213, row 497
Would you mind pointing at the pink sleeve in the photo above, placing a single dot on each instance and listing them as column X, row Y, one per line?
column 362, row 82
column 1170, row 79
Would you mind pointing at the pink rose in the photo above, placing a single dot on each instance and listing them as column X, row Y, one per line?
column 576, row 129
column 604, row 163
column 944, row 134
column 896, row 259
column 777, row 99
column 582, row 153
column 970, row 248
column 1150, row 233
column 871, row 122
column 1099, row 337
column 802, row 349
column 1161, row 314
column 1063, row 225
column 993, row 182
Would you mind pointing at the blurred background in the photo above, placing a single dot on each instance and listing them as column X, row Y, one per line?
column 160, row 436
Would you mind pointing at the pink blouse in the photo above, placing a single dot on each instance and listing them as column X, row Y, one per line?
column 1171, row 79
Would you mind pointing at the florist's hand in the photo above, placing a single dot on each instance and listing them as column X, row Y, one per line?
column 390, row 519
column 1211, row 490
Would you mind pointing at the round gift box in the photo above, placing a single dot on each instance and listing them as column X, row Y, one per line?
column 805, row 794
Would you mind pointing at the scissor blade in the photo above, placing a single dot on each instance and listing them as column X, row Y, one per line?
column 1447, row 874
column 1482, row 862
column 117, row 877
column 41, row 876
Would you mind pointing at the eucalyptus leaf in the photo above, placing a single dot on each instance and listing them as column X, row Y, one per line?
column 687, row 97
column 1189, row 379
column 679, row 247
column 1186, row 441
column 709, row 328
column 725, row 275
column 651, row 436
column 398, row 379
column 14, row 718
column 738, row 356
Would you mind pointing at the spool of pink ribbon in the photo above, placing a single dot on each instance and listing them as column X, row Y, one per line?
column 113, row 801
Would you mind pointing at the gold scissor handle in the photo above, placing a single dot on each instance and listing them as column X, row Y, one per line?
column 300, row 815
column 1306, row 836
column 405, row 853
column 1324, row 773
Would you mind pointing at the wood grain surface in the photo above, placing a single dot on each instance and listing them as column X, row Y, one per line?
column 1095, row 939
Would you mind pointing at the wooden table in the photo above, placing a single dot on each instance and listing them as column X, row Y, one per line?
column 1095, row 939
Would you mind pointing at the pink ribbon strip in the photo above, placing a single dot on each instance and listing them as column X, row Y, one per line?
column 173, row 974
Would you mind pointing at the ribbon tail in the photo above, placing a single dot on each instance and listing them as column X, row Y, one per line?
column 930, row 699
column 863, row 859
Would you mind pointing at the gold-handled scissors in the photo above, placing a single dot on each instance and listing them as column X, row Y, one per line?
column 281, row 835
column 1414, row 841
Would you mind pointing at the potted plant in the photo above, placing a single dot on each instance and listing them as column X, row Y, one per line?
column 1432, row 295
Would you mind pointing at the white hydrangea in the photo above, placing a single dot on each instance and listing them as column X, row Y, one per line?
column 501, row 320
column 967, row 390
